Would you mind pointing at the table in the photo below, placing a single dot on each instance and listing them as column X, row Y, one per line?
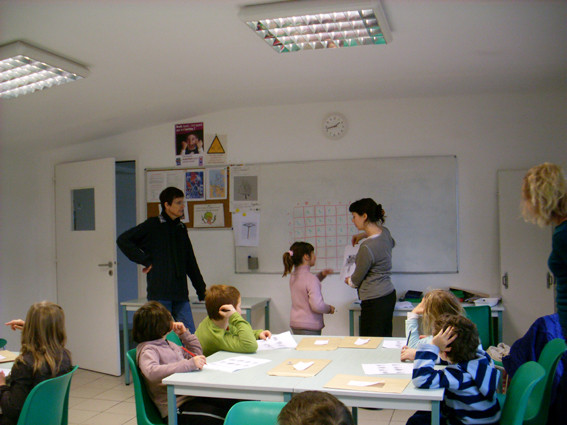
column 256, row 384
column 247, row 305
column 497, row 311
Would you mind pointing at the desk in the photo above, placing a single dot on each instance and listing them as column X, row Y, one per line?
column 248, row 304
column 401, row 312
column 256, row 384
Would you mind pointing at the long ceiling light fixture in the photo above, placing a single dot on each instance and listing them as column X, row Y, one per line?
column 25, row 69
column 289, row 26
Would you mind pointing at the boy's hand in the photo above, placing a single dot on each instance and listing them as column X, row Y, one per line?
column 265, row 335
column 17, row 324
column 179, row 328
column 444, row 338
column 199, row 361
column 227, row 310
column 408, row 354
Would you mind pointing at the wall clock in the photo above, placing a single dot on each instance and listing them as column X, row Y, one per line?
column 334, row 126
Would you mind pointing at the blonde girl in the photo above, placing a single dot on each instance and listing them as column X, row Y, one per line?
column 307, row 304
column 43, row 355
column 434, row 304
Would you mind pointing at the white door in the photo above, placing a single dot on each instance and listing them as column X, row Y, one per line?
column 86, row 262
column 524, row 249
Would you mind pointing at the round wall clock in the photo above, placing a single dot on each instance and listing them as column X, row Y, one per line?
column 334, row 126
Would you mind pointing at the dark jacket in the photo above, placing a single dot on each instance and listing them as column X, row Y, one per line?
column 20, row 382
column 164, row 244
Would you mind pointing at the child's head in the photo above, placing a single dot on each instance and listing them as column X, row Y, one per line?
column 374, row 212
column 544, row 194
column 151, row 321
column 436, row 303
column 219, row 295
column 297, row 254
column 44, row 335
column 315, row 408
column 463, row 348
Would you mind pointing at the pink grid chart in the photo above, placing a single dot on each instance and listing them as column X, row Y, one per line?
column 325, row 225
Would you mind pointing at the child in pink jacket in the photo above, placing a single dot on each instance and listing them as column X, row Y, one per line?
column 307, row 304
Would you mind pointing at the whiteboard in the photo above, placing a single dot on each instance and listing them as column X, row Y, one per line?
column 418, row 195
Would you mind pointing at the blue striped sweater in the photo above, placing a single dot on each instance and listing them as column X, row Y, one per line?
column 470, row 387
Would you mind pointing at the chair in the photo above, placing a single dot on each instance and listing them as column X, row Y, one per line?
column 173, row 337
column 48, row 402
column 254, row 413
column 3, row 343
column 146, row 411
column 481, row 316
column 514, row 402
column 537, row 409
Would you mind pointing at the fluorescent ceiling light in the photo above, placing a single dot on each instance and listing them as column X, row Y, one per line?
column 25, row 69
column 289, row 26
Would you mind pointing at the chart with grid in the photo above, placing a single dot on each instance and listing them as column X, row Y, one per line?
column 326, row 226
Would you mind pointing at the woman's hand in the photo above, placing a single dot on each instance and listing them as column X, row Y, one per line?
column 358, row 237
column 199, row 361
column 408, row 354
column 16, row 324
column 265, row 335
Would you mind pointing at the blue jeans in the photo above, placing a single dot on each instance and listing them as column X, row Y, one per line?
column 181, row 312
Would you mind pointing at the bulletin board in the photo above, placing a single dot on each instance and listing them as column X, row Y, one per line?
column 214, row 195
column 418, row 194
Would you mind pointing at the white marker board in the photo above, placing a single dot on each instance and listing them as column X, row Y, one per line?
column 418, row 194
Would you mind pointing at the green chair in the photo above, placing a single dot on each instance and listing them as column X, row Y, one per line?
column 3, row 343
column 48, row 402
column 146, row 411
column 254, row 413
column 481, row 316
column 538, row 403
column 173, row 337
column 515, row 401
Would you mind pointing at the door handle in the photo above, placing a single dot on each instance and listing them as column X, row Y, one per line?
column 109, row 264
column 550, row 280
column 505, row 280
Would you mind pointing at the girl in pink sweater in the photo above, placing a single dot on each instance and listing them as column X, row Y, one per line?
column 307, row 304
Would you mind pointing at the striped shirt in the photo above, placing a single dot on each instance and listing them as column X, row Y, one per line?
column 470, row 387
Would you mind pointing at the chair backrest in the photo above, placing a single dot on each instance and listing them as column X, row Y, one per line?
column 3, row 343
column 48, row 402
column 146, row 411
column 538, row 403
column 519, row 391
column 173, row 337
column 481, row 316
column 254, row 413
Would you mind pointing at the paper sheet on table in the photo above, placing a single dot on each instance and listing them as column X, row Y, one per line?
column 394, row 343
column 319, row 343
column 278, row 341
column 291, row 367
column 7, row 356
column 388, row 369
column 382, row 385
column 360, row 342
column 232, row 364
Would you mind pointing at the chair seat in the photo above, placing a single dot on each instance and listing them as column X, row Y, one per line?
column 254, row 413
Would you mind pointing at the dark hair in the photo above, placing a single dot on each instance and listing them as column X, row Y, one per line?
column 463, row 348
column 373, row 211
column 219, row 295
column 151, row 321
column 168, row 195
column 315, row 408
column 299, row 249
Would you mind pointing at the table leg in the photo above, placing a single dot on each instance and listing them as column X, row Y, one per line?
column 355, row 415
column 171, row 406
column 267, row 315
column 435, row 412
column 248, row 312
column 287, row 397
column 351, row 322
column 125, row 340
column 499, row 336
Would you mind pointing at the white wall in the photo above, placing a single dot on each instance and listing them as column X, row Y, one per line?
column 486, row 133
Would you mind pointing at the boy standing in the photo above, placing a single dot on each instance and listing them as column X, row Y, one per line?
column 470, row 380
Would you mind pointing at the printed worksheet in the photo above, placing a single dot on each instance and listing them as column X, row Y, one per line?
column 388, row 369
column 394, row 343
column 232, row 364
column 275, row 342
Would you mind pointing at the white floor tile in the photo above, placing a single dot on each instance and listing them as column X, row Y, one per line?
column 96, row 405
column 108, row 419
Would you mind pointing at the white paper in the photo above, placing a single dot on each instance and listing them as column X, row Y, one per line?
column 393, row 343
column 404, row 305
column 244, row 187
column 232, row 364
column 349, row 258
column 388, row 369
column 321, row 342
column 275, row 342
column 302, row 365
column 2, row 357
column 361, row 341
column 246, row 225
column 364, row 383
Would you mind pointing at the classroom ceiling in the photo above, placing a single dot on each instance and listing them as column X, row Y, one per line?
column 153, row 62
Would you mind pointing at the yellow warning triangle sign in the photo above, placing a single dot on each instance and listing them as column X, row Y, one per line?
column 216, row 146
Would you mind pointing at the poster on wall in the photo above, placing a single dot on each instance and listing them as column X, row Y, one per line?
column 215, row 148
column 208, row 215
column 195, row 185
column 216, row 183
column 189, row 145
column 156, row 181
column 244, row 187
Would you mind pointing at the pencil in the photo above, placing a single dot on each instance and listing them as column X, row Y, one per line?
column 407, row 342
column 190, row 353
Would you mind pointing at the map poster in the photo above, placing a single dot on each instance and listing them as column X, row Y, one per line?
column 216, row 183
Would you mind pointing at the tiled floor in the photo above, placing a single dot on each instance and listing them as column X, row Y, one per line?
column 98, row 399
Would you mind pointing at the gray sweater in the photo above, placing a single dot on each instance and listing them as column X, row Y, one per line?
column 371, row 276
